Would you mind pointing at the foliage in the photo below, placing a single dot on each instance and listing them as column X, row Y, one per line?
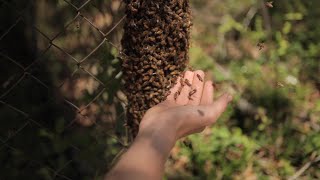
column 275, row 116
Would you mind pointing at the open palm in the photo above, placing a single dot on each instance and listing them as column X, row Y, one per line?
column 188, row 109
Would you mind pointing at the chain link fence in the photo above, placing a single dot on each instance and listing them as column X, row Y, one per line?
column 61, row 108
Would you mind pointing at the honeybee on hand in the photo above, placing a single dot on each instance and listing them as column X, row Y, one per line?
column 192, row 93
column 176, row 94
column 187, row 82
column 181, row 82
column 200, row 78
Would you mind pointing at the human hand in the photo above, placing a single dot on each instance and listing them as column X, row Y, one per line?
column 184, row 114
column 178, row 116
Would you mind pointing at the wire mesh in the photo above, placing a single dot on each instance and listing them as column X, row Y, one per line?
column 60, row 97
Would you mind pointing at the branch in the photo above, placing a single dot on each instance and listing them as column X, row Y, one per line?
column 304, row 168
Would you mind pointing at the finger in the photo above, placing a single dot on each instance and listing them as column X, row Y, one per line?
column 173, row 90
column 197, row 88
column 212, row 112
column 207, row 94
column 183, row 97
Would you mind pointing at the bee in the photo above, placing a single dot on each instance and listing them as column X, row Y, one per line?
column 125, row 125
column 182, row 15
column 187, row 82
column 154, row 66
column 145, row 26
column 155, row 29
column 158, row 32
column 145, row 33
column 177, row 17
column 146, row 66
column 179, row 11
column 151, row 79
column 151, row 12
column 168, row 19
column 135, row 121
column 146, row 78
column 167, row 9
column 151, row 39
column 145, row 83
column 269, row 4
column 161, row 73
column 180, row 3
column 199, row 77
column 187, row 142
column 171, row 68
column 182, row 82
column 156, row 84
column 186, row 25
column 157, row 5
column 190, row 68
column 173, row 53
column 176, row 94
column 179, row 90
column 134, row 39
column 175, row 72
column 129, row 72
column 150, row 72
column 201, row 113
column 214, row 85
column 135, row 118
column 167, row 93
column 126, row 65
column 156, row 100
column 169, row 84
column 132, row 24
column 260, row 45
column 279, row 84
column 172, row 3
column 192, row 92
column 132, row 9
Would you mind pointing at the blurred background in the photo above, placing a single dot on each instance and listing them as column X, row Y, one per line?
column 62, row 110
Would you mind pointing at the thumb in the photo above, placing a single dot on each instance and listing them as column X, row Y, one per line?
column 214, row 110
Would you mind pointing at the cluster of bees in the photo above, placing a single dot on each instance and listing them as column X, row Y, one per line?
column 155, row 52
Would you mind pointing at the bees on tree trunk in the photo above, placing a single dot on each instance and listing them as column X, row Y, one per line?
column 156, row 44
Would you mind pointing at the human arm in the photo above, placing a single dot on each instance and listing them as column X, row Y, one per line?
column 165, row 123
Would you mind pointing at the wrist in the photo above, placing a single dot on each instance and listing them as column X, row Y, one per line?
column 158, row 140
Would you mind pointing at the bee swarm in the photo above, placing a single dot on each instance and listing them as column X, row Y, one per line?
column 154, row 52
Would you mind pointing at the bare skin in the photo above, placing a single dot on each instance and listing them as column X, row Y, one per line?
column 167, row 122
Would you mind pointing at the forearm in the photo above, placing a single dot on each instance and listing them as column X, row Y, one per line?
column 145, row 159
